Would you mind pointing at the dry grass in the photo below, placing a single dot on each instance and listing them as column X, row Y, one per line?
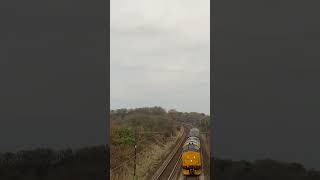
column 147, row 162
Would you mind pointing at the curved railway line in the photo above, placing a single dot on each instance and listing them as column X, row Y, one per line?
column 171, row 168
column 170, row 164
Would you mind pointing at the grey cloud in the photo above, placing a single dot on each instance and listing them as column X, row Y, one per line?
column 158, row 58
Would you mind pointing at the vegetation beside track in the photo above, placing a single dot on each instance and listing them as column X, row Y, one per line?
column 155, row 131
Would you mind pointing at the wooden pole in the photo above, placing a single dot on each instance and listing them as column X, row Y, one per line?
column 135, row 154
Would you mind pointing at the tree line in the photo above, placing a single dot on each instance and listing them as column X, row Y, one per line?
column 157, row 119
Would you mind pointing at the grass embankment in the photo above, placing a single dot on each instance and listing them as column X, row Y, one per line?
column 148, row 159
column 155, row 131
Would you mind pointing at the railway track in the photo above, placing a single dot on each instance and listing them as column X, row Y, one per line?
column 168, row 171
column 171, row 170
column 176, row 173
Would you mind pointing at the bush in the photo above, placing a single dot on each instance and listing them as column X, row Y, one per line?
column 126, row 136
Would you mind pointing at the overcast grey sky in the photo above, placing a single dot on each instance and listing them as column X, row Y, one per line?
column 160, row 54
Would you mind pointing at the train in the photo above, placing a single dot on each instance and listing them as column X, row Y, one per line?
column 191, row 154
column 194, row 132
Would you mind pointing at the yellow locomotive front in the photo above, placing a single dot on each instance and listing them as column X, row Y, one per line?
column 191, row 160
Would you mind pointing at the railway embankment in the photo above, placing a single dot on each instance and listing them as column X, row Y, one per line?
column 148, row 159
column 168, row 164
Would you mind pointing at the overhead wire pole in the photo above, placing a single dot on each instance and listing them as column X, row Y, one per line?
column 135, row 154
